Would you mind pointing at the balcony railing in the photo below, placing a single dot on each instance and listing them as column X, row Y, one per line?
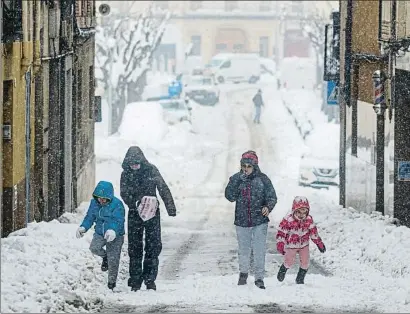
column 12, row 21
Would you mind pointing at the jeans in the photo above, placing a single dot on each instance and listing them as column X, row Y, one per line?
column 112, row 252
column 252, row 238
column 258, row 110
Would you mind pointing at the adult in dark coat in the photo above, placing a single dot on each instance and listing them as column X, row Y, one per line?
column 258, row 102
column 254, row 197
column 138, row 179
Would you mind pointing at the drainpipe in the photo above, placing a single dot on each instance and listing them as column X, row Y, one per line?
column 37, row 39
column 25, row 53
column 345, row 102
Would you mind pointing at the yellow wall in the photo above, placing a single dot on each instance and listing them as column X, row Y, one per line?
column 365, row 27
column 14, row 150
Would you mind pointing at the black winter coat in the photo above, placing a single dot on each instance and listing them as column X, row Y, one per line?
column 145, row 181
column 251, row 195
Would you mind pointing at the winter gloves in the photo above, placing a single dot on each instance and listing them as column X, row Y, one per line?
column 80, row 232
column 280, row 246
column 321, row 247
column 109, row 235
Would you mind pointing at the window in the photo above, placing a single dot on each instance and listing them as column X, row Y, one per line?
column 231, row 5
column 264, row 46
column 220, row 47
column 196, row 45
column 226, row 65
column 238, row 47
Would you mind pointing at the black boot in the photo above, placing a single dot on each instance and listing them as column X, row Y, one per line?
column 104, row 264
column 300, row 278
column 243, row 277
column 135, row 285
column 151, row 285
column 282, row 273
column 260, row 284
column 111, row 285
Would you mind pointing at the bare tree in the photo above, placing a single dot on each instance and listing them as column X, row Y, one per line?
column 124, row 52
column 314, row 28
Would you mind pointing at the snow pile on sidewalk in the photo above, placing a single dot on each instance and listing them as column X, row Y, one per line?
column 303, row 105
column 373, row 241
column 42, row 265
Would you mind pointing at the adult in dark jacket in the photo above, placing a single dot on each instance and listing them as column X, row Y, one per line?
column 138, row 179
column 258, row 102
column 255, row 198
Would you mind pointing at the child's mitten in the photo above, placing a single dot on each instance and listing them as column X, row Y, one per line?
column 321, row 247
column 280, row 246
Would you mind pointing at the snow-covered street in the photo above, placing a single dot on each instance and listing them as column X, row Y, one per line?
column 365, row 269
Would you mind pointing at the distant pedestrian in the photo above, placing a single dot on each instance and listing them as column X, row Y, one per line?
column 258, row 103
column 108, row 214
column 254, row 197
column 139, row 183
column 295, row 231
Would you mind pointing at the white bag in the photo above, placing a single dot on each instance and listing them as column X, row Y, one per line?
column 147, row 207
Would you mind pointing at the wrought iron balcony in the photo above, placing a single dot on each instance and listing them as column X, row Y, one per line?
column 12, row 21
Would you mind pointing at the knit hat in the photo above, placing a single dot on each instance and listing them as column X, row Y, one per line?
column 300, row 202
column 249, row 157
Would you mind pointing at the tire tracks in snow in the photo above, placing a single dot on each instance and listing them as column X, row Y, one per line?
column 170, row 270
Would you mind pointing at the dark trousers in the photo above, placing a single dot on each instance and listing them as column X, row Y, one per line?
column 143, row 268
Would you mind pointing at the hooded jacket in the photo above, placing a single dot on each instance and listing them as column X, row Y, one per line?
column 145, row 181
column 107, row 216
column 251, row 194
column 294, row 233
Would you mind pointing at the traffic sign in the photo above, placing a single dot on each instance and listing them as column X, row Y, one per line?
column 332, row 93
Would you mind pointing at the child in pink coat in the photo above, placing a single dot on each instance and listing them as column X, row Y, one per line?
column 294, row 233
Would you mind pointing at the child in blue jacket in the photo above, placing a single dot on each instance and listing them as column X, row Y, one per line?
column 108, row 214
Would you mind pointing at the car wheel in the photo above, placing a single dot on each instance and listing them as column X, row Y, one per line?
column 221, row 79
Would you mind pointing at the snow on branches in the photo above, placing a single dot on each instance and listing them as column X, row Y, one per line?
column 125, row 47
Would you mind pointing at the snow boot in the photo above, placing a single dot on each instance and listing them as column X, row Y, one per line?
column 260, row 284
column 104, row 264
column 151, row 285
column 111, row 285
column 243, row 277
column 282, row 273
column 135, row 286
column 300, row 278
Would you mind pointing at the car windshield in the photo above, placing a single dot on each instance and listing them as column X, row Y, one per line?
column 201, row 81
column 216, row 62
column 172, row 105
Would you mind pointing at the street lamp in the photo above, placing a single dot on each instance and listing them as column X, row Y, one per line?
column 379, row 78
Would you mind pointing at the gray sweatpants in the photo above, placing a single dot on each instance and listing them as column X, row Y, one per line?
column 112, row 252
column 252, row 238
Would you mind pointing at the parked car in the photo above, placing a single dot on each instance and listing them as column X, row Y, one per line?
column 318, row 171
column 176, row 110
column 236, row 67
column 202, row 89
column 319, row 165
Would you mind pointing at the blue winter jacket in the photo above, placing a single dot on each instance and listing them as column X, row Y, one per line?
column 108, row 216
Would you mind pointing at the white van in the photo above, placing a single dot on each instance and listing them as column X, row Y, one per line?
column 235, row 67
